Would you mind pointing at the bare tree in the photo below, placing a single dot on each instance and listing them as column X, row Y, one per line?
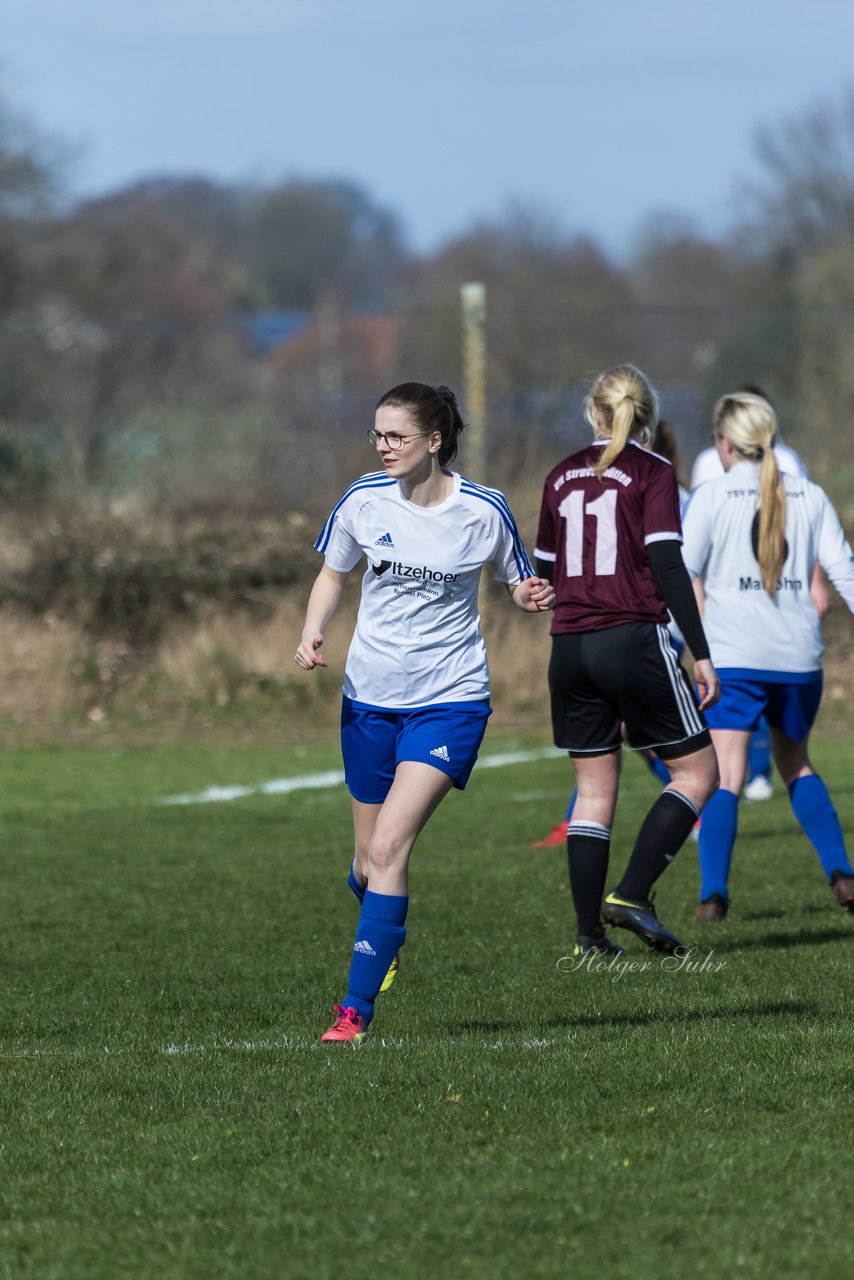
column 553, row 309
column 304, row 240
column 129, row 323
column 803, row 196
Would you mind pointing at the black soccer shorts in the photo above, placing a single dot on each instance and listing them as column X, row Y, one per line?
column 627, row 675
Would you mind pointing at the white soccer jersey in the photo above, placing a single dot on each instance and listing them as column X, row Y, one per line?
column 747, row 628
column 708, row 465
column 417, row 639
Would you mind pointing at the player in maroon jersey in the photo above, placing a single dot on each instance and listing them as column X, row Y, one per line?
column 610, row 540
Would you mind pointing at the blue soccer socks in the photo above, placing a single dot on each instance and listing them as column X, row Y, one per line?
column 379, row 937
column 813, row 808
column 717, row 837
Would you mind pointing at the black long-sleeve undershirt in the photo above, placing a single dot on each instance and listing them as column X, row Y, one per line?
column 674, row 585
column 545, row 569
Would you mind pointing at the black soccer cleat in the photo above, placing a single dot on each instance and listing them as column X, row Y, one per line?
column 599, row 946
column 640, row 918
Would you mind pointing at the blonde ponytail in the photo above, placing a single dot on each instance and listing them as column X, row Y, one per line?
column 771, row 539
column 621, row 405
column 750, row 424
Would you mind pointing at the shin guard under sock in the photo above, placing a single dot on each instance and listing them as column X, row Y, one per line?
column 379, row 937
column 717, row 838
column 588, row 845
column 813, row 808
column 663, row 832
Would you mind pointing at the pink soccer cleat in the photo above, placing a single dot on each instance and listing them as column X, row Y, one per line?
column 349, row 1026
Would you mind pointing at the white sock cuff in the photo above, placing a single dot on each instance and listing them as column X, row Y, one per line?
column 595, row 830
column 677, row 795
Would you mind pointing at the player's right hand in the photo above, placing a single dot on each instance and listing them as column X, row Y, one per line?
column 707, row 682
column 308, row 655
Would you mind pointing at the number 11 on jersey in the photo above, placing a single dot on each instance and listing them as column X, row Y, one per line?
column 604, row 511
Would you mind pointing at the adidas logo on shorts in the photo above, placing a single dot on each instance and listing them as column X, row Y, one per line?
column 364, row 947
column 442, row 753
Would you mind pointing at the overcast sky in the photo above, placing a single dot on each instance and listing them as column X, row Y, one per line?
column 595, row 112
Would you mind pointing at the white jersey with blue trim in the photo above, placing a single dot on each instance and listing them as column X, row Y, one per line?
column 417, row 639
column 747, row 628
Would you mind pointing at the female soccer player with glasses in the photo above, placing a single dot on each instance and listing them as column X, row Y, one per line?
column 416, row 681
column 393, row 439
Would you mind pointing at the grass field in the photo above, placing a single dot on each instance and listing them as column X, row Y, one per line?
column 168, row 1112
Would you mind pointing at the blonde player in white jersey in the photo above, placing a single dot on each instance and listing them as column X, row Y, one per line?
column 753, row 537
column 416, row 682
column 708, row 466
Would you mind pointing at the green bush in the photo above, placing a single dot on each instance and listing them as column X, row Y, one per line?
column 128, row 580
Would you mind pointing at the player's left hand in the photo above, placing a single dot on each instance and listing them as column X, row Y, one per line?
column 535, row 595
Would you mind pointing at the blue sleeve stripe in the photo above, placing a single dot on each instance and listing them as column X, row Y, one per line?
column 497, row 500
column 373, row 480
column 469, row 486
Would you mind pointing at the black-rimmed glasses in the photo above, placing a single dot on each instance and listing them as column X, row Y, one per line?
column 393, row 439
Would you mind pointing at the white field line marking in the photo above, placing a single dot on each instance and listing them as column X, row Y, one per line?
column 333, row 777
column 278, row 1044
column 376, row 1042
column 286, row 1043
column 266, row 1044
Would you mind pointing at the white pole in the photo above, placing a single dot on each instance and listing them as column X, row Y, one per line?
column 474, row 397
column 474, row 377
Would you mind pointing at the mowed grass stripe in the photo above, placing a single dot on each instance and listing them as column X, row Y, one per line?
column 332, row 778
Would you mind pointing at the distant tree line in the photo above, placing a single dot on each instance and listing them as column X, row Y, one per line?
column 186, row 346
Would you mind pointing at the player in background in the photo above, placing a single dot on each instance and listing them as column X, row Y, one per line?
column 609, row 534
column 707, row 466
column 753, row 538
column 416, row 681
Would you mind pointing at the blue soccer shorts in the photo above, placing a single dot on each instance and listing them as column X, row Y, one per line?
column 790, row 705
column 374, row 741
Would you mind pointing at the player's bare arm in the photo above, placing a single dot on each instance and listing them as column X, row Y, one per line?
column 322, row 603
